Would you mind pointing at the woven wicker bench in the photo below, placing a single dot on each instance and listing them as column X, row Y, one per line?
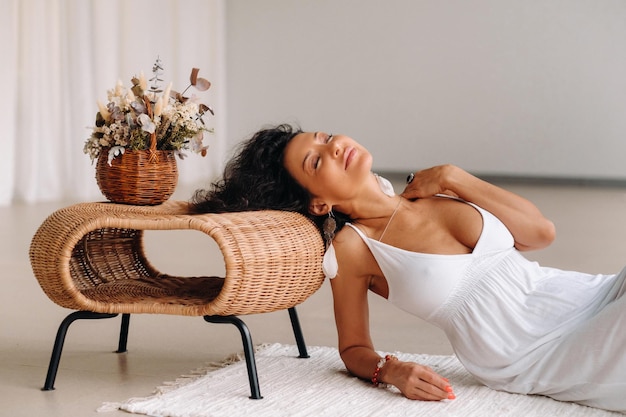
column 90, row 258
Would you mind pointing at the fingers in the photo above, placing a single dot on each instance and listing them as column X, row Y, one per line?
column 434, row 391
column 427, row 182
column 425, row 395
column 419, row 187
column 424, row 384
column 427, row 392
column 410, row 189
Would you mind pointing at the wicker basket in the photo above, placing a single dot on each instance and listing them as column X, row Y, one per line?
column 142, row 178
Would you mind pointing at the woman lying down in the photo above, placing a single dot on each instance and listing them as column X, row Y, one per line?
column 448, row 250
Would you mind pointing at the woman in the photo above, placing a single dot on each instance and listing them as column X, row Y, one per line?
column 448, row 251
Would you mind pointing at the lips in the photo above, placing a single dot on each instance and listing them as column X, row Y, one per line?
column 349, row 155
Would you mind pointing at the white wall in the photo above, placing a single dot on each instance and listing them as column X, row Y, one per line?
column 59, row 57
column 501, row 87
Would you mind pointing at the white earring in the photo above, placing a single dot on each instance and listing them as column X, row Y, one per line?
column 385, row 185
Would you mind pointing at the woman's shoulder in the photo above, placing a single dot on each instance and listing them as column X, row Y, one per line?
column 352, row 252
column 348, row 239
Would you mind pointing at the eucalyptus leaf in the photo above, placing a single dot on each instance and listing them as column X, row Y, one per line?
column 202, row 84
column 139, row 107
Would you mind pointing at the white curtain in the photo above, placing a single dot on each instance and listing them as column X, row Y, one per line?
column 60, row 56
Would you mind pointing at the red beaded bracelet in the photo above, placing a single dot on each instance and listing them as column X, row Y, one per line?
column 379, row 366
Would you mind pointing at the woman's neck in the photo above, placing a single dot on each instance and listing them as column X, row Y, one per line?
column 371, row 205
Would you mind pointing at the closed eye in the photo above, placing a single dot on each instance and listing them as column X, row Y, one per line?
column 317, row 159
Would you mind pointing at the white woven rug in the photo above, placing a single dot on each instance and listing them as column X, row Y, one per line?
column 320, row 387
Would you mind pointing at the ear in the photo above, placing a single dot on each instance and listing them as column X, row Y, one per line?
column 319, row 207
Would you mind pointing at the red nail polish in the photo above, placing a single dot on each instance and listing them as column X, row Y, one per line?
column 449, row 388
column 451, row 396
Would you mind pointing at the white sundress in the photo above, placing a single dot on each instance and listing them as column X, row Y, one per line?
column 514, row 325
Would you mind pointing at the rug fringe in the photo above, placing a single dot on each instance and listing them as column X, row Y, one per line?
column 108, row 407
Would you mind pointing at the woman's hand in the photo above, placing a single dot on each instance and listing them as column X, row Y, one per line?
column 417, row 382
column 530, row 229
column 427, row 183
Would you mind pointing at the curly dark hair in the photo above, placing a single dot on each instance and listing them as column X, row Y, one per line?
column 256, row 179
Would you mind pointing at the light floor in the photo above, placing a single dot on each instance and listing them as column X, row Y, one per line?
column 591, row 225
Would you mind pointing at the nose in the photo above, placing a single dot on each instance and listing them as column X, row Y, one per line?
column 335, row 148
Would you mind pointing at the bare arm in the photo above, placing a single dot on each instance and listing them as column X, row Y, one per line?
column 350, row 289
column 530, row 229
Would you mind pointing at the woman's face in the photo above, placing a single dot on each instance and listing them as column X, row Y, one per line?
column 330, row 167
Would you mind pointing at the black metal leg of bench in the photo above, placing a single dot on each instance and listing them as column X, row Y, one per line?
column 248, row 350
column 121, row 346
column 297, row 331
column 60, row 339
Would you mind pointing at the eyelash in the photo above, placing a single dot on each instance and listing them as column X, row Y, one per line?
column 317, row 160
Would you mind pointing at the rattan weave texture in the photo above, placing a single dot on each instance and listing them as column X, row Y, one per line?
column 91, row 256
column 141, row 177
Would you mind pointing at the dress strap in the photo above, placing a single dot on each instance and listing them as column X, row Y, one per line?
column 330, row 266
column 360, row 233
